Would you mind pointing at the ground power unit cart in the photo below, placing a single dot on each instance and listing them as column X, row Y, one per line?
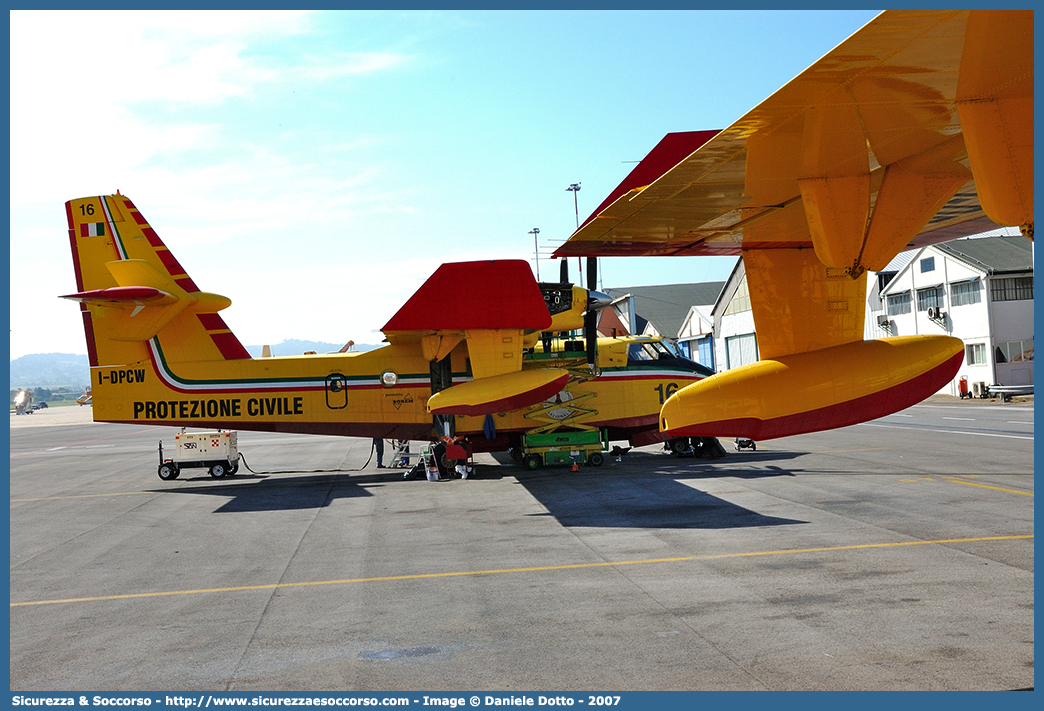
column 214, row 451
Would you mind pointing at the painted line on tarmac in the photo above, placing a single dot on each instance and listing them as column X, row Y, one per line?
column 143, row 492
column 987, row 486
column 84, row 496
column 137, row 430
column 964, row 407
column 843, row 451
column 932, row 429
column 543, row 568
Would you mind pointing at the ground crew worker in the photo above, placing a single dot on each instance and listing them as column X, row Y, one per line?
column 378, row 444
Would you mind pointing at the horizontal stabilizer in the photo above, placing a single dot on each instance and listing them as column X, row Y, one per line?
column 145, row 301
column 124, row 294
column 500, row 393
column 819, row 390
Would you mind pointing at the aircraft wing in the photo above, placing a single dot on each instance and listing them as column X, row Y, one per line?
column 493, row 306
column 916, row 124
column 917, row 129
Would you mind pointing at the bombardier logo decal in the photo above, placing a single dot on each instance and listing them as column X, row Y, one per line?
column 398, row 399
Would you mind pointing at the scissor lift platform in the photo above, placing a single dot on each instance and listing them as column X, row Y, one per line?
column 551, row 448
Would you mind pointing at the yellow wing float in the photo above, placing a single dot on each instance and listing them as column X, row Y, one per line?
column 916, row 130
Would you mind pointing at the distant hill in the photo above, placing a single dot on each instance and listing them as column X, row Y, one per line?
column 51, row 370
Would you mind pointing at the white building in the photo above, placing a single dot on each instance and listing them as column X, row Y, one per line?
column 978, row 289
column 696, row 336
column 736, row 342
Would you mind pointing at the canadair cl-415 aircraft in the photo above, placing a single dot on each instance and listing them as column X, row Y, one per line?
column 917, row 129
column 476, row 353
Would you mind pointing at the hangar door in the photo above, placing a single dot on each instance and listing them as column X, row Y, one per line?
column 741, row 350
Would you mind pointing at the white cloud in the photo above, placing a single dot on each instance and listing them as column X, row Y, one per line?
column 102, row 101
column 352, row 64
column 126, row 57
column 88, row 88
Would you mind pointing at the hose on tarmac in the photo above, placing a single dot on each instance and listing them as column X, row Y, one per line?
column 308, row 471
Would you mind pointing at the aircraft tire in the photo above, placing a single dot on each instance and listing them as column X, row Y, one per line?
column 218, row 470
column 532, row 461
column 168, row 471
column 596, row 459
column 439, row 452
column 679, row 445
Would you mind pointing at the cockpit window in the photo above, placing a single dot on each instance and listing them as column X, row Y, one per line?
column 642, row 351
column 647, row 353
column 669, row 347
column 651, row 350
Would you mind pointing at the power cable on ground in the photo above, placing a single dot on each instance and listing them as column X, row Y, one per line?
column 309, row 471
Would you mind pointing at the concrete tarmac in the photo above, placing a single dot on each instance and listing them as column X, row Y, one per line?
column 892, row 555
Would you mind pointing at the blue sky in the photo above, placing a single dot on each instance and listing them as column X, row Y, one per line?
column 317, row 167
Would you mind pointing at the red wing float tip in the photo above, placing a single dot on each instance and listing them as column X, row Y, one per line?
column 491, row 294
column 501, row 393
column 826, row 389
column 120, row 293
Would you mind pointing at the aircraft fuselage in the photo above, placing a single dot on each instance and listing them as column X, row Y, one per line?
column 381, row 393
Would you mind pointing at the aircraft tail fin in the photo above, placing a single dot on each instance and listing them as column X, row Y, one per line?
column 132, row 290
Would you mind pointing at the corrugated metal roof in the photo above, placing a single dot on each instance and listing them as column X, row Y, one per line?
column 996, row 254
column 665, row 306
column 900, row 261
column 999, row 250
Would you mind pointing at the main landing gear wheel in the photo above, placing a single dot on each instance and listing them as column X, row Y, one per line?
column 168, row 471
column 218, row 470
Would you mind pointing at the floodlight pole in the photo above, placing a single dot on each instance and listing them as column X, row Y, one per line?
column 536, row 250
column 575, row 188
